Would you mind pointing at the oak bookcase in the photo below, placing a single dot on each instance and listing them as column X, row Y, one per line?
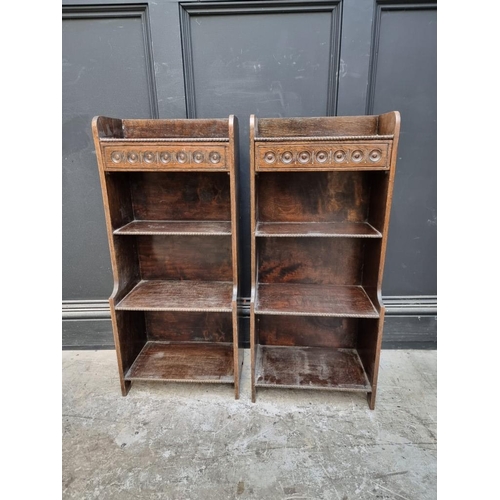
column 321, row 191
column 169, row 191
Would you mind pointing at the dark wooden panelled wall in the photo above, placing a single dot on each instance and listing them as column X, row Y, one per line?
column 170, row 59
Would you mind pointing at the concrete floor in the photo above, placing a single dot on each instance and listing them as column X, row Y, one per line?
column 189, row 442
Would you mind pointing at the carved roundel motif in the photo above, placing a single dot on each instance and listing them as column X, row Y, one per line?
column 116, row 156
column 321, row 156
column 165, row 157
column 375, row 155
column 214, row 157
column 304, row 157
column 198, row 157
column 287, row 157
column 182, row 157
column 339, row 155
column 357, row 155
column 149, row 157
column 269, row 157
column 132, row 157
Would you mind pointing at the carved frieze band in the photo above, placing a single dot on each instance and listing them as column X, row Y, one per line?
column 323, row 156
column 164, row 157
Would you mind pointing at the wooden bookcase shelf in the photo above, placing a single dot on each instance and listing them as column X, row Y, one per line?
column 319, row 229
column 175, row 227
column 299, row 299
column 189, row 295
column 310, row 367
column 321, row 191
column 184, row 362
column 169, row 191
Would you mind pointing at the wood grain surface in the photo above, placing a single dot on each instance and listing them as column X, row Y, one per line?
column 189, row 327
column 314, row 300
column 310, row 368
column 184, row 362
column 313, row 196
column 326, row 261
column 185, row 257
column 179, row 296
column 318, row 126
column 180, row 195
column 182, row 129
column 312, row 331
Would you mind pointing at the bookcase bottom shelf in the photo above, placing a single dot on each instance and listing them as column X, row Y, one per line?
column 184, row 362
column 310, row 368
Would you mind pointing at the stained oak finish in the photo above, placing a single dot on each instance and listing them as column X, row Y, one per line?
column 313, row 196
column 184, row 362
column 192, row 327
column 310, row 368
column 312, row 331
column 339, row 126
column 314, row 300
column 321, row 191
column 170, row 196
column 325, row 261
column 174, row 129
column 180, row 196
column 206, row 258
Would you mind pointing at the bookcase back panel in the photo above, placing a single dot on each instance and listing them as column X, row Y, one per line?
column 307, row 331
column 205, row 258
column 317, row 126
column 179, row 129
column 180, row 196
column 313, row 196
column 193, row 327
column 325, row 261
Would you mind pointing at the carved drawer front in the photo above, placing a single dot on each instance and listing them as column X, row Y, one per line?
column 322, row 155
column 142, row 156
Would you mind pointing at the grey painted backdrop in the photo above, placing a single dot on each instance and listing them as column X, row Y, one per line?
column 209, row 59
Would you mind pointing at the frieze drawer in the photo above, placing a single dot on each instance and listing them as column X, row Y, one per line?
column 164, row 157
column 322, row 155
